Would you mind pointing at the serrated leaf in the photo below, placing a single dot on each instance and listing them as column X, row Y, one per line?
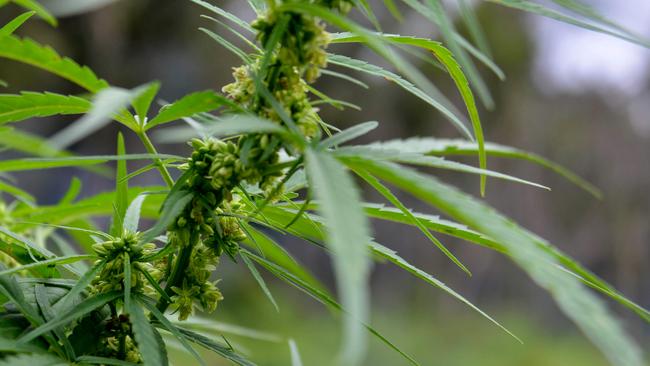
column 348, row 134
column 48, row 262
column 260, row 281
column 105, row 107
column 85, row 307
column 44, row 57
column 571, row 296
column 132, row 216
column 352, row 153
column 224, row 351
column 189, row 105
column 443, row 147
column 74, row 161
column 38, row 9
column 33, row 359
column 142, row 102
column 167, row 325
column 348, row 234
column 11, row 27
column 121, row 191
column 321, row 297
column 384, row 191
column 442, row 105
column 232, row 17
column 532, row 7
column 224, row 126
column 94, row 360
column 17, row 107
column 145, row 336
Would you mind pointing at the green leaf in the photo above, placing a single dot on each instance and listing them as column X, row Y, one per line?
column 38, row 9
column 33, row 359
column 446, row 108
column 85, row 307
column 572, row 297
column 106, row 104
column 224, row 126
column 260, row 281
column 132, row 216
column 145, row 336
column 37, row 146
column 228, row 45
column 295, row 354
column 167, row 325
column 17, row 107
column 442, row 147
column 275, row 253
column 142, row 102
column 48, row 262
column 67, row 302
column 319, row 296
column 74, row 161
column 350, row 154
column 94, row 360
column 216, row 347
column 532, row 7
column 401, row 262
column 43, row 301
column 348, row 134
column 189, row 105
column 11, row 27
column 348, row 234
column 232, row 17
column 173, row 206
column 384, row 191
column 127, row 281
column 15, row 191
column 121, row 191
column 43, row 57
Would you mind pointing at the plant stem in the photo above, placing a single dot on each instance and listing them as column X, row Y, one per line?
column 178, row 271
column 164, row 173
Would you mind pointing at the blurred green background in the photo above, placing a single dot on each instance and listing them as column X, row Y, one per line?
column 580, row 99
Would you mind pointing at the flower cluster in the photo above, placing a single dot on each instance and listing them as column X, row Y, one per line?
column 114, row 253
column 117, row 340
column 196, row 286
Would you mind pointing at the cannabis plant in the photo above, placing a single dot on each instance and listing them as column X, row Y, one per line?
column 261, row 160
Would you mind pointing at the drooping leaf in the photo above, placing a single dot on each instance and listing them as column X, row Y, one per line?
column 533, row 7
column 48, row 262
column 348, row 134
column 260, row 281
column 348, row 234
column 446, row 108
column 145, row 336
column 224, row 351
column 571, row 296
column 443, row 147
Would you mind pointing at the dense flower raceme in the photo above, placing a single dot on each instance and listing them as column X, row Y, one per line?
column 209, row 225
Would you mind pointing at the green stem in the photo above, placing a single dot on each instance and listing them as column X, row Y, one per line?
column 178, row 271
column 164, row 173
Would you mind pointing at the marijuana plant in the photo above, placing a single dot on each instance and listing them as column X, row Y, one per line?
column 262, row 160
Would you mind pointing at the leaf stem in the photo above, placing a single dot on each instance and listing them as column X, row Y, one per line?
column 164, row 173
